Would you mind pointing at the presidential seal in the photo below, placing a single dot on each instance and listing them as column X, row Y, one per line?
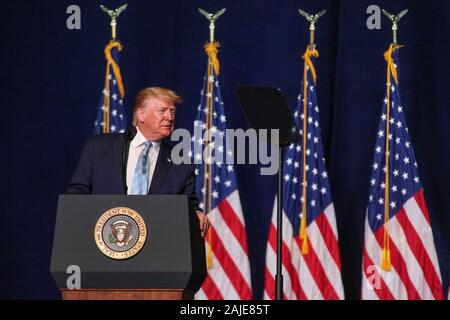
column 120, row 233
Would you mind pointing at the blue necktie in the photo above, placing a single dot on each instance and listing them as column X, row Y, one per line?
column 140, row 178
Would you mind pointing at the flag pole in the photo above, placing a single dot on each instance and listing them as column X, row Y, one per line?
column 211, row 49
column 391, row 70
column 310, row 52
column 113, row 14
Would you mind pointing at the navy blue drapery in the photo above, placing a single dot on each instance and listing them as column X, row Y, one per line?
column 50, row 79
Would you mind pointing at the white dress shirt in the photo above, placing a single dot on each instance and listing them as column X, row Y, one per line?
column 136, row 146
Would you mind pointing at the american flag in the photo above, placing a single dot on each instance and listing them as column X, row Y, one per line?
column 111, row 115
column 397, row 221
column 228, row 274
column 313, row 272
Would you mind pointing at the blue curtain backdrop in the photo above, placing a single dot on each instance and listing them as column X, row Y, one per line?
column 51, row 79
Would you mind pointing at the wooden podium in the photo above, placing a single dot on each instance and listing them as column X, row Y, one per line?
column 127, row 294
column 171, row 263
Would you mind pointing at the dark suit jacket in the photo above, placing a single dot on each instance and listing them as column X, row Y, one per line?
column 100, row 170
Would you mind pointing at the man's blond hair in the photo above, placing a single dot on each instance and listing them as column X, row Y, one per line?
column 163, row 94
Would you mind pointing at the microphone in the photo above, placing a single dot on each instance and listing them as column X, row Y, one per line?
column 128, row 136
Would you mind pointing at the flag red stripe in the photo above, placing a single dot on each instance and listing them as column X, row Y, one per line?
column 383, row 291
column 399, row 264
column 421, row 254
column 329, row 237
column 229, row 267
column 317, row 271
column 269, row 284
column 420, row 199
column 211, row 290
column 287, row 262
column 235, row 225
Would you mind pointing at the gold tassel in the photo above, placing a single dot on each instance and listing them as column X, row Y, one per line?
column 303, row 228
column 386, row 259
column 209, row 258
column 390, row 62
column 116, row 69
column 305, row 247
column 391, row 70
column 307, row 56
column 211, row 49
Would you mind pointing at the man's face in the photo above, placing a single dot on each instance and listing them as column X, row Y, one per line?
column 156, row 119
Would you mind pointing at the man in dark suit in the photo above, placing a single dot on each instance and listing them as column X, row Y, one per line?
column 138, row 162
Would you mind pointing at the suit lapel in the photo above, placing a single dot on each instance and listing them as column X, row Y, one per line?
column 162, row 167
